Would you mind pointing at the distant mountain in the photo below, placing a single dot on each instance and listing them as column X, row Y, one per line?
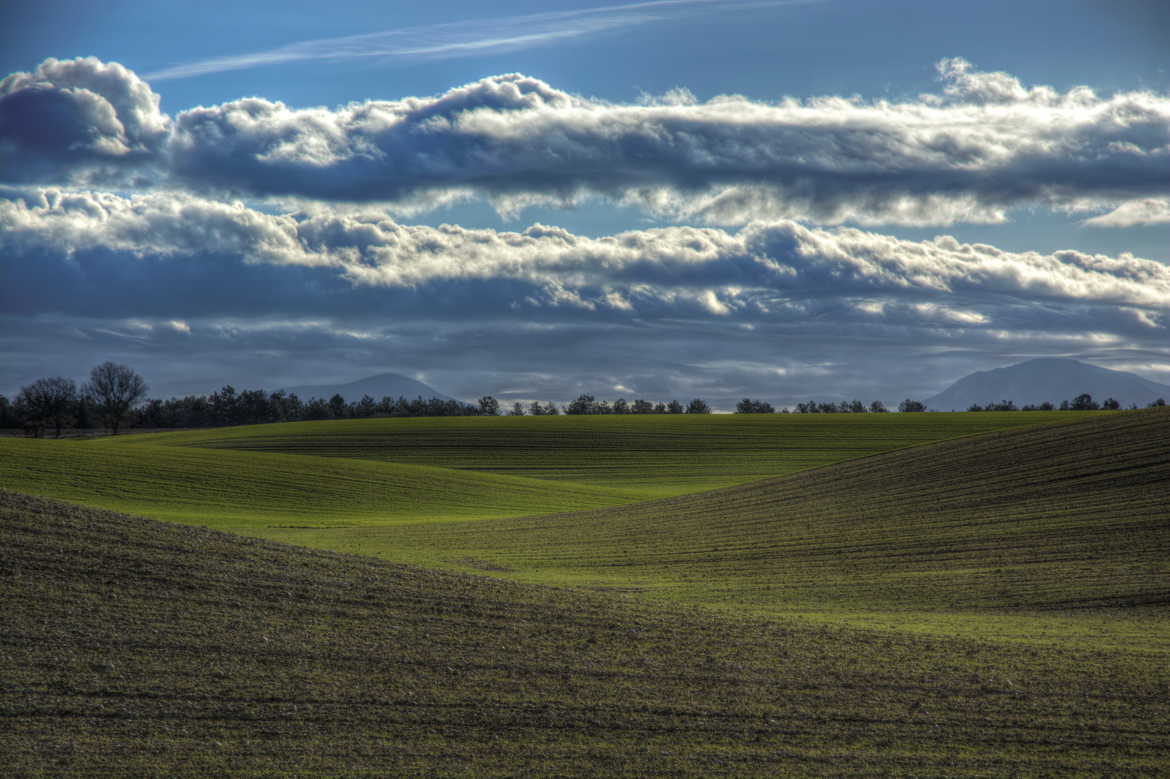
column 1051, row 379
column 377, row 387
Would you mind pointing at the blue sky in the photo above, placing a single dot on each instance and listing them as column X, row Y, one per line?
column 832, row 198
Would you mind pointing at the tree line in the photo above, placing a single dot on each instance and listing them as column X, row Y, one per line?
column 750, row 406
column 114, row 398
column 1082, row 402
column 588, row 404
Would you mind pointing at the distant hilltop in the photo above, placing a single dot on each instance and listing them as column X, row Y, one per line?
column 384, row 384
column 1047, row 379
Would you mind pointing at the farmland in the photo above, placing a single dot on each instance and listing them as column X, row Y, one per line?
column 223, row 488
column 655, row 455
column 261, row 479
column 934, row 593
column 1055, row 531
column 145, row 648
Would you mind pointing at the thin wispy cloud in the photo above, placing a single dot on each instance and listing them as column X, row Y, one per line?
column 464, row 38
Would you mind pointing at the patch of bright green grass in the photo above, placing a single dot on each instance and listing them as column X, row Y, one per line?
column 249, row 491
column 657, row 455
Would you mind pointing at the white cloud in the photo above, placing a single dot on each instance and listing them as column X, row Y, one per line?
column 767, row 271
column 79, row 119
column 1146, row 211
column 983, row 145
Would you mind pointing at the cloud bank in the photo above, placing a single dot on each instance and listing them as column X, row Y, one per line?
column 984, row 144
column 740, row 270
column 703, row 310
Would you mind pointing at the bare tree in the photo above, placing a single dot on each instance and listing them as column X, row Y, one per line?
column 49, row 401
column 115, row 390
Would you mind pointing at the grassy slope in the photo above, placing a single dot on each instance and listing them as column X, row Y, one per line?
column 910, row 541
column 655, row 455
column 250, row 491
column 1024, row 530
column 245, row 480
column 139, row 647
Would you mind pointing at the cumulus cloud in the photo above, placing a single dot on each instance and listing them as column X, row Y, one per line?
column 1147, row 211
column 78, row 120
column 89, row 250
column 982, row 145
column 773, row 309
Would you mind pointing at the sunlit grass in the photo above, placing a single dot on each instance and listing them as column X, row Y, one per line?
column 1051, row 534
column 250, row 490
column 655, row 455
column 1048, row 534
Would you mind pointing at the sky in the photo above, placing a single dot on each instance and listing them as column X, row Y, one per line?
column 777, row 199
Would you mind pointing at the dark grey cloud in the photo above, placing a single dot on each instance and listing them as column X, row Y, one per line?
column 195, row 287
column 986, row 143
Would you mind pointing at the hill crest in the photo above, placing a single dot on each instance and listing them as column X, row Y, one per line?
column 1050, row 379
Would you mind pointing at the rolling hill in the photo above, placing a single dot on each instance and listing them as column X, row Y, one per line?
column 135, row 647
column 254, row 492
column 654, row 455
column 1047, row 379
column 871, row 521
column 1010, row 529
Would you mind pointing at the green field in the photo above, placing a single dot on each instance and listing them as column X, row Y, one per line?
column 261, row 479
column 920, row 593
column 1054, row 533
column 139, row 648
column 258, row 491
column 655, row 455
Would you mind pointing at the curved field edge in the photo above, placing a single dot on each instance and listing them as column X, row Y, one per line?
column 1052, row 533
column 653, row 454
column 253, row 492
column 135, row 647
